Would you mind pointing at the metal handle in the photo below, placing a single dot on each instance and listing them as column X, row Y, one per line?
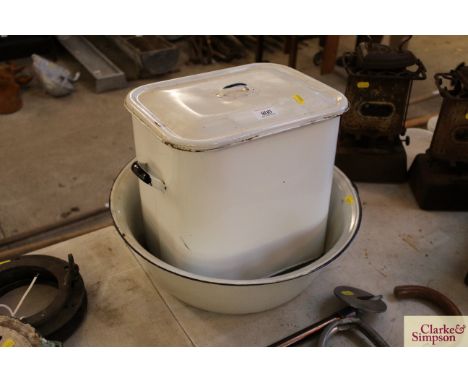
column 148, row 178
column 424, row 293
column 230, row 89
column 347, row 324
column 236, row 84
column 317, row 327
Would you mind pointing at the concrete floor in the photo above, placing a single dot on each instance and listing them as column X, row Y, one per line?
column 60, row 155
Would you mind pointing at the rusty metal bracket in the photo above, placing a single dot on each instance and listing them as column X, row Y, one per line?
column 349, row 63
column 458, row 80
column 447, row 306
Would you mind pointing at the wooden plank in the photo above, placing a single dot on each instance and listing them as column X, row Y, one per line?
column 419, row 121
column 330, row 51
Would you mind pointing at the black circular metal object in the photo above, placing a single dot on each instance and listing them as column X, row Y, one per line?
column 63, row 315
column 360, row 299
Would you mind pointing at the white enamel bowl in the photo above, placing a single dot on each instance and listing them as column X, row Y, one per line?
column 234, row 296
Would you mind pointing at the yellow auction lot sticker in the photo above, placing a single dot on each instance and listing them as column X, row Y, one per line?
column 435, row 331
column 363, row 85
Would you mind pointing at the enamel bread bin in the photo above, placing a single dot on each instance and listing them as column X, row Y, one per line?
column 236, row 168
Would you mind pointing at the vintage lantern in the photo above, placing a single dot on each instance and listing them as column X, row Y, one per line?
column 439, row 178
column 370, row 145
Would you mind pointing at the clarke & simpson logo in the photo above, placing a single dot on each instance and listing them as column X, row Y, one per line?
column 433, row 334
column 435, row 331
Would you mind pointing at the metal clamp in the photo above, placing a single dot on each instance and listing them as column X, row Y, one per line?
column 357, row 300
column 347, row 324
column 147, row 177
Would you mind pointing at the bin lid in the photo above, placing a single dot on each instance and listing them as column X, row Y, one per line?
column 217, row 109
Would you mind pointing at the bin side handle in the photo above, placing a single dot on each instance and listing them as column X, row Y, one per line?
column 145, row 176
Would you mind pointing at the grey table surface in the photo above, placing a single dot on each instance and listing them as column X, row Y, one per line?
column 398, row 243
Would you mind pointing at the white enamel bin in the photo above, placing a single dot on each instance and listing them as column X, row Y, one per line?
column 236, row 168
